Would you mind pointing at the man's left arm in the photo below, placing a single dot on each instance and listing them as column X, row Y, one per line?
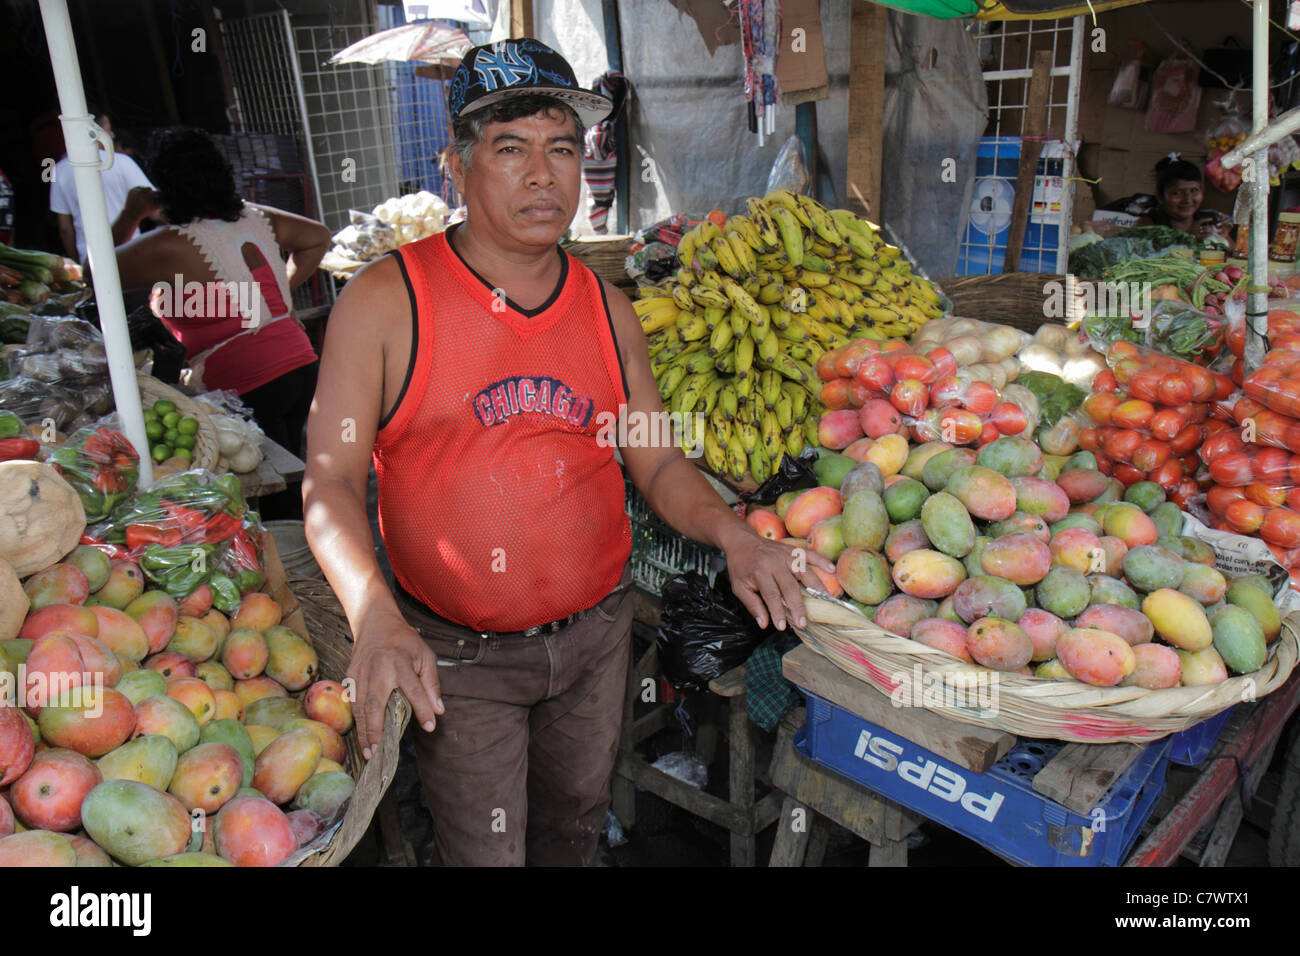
column 761, row 571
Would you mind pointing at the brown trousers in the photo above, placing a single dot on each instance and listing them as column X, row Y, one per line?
column 518, row 768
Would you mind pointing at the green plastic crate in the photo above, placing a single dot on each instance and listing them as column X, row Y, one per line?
column 659, row 552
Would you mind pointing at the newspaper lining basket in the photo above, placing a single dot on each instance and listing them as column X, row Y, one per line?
column 1032, row 706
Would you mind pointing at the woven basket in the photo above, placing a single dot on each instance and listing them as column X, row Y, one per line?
column 605, row 257
column 1031, row 706
column 332, row 639
column 1013, row 298
column 206, row 449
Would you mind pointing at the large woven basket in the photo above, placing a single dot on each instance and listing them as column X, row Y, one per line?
column 1015, row 298
column 332, row 640
column 206, row 449
column 1030, row 706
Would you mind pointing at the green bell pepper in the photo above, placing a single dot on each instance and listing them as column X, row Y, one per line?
column 228, row 484
column 10, row 425
column 225, row 593
column 179, row 570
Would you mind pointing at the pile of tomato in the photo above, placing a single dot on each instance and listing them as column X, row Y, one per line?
column 924, row 387
column 1151, row 413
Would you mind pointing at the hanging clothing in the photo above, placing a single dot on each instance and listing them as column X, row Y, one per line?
column 239, row 331
column 601, row 146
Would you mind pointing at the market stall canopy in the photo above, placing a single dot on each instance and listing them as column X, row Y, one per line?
column 1009, row 10
column 424, row 42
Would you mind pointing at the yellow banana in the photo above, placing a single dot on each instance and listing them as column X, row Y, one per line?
column 792, row 369
column 708, row 298
column 715, row 453
column 686, row 248
column 739, row 323
column 812, row 280
column 791, row 233
column 737, row 460
column 773, row 439
column 742, row 301
column 721, row 340
column 682, row 298
column 822, row 223
column 684, row 277
column 784, row 199
column 748, row 434
column 728, row 400
column 769, row 386
column 742, row 250
column 744, row 354
column 768, row 347
column 726, row 257
column 888, row 253
column 767, row 229
column 809, row 431
column 709, row 279
column 771, row 293
column 726, row 362
column 712, row 317
column 760, row 466
column 744, row 389
column 705, row 258
column 785, row 412
column 658, row 318
column 691, row 326
column 671, row 378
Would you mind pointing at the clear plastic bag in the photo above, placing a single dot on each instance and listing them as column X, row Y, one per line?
column 1125, row 91
column 788, row 169
column 1175, row 97
column 101, row 464
column 38, row 403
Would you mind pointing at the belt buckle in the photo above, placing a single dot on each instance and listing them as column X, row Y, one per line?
column 533, row 631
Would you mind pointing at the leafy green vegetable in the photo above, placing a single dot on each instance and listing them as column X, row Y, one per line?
column 1161, row 237
column 1056, row 397
column 1131, row 242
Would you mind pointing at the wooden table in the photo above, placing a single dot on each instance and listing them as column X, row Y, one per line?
column 279, row 468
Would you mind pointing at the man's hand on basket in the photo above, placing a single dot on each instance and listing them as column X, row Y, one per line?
column 764, row 576
column 390, row 654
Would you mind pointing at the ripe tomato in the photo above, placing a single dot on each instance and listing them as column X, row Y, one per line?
column 835, row 393
column 1125, row 369
column 1266, row 496
column 1135, row 413
column 849, row 358
column 1238, row 372
column 876, row 374
column 1187, row 441
column 826, row 366
column 909, row 396
column 1186, row 490
column 1196, row 412
column 1104, row 381
column 1221, row 444
column 1223, row 386
column 1166, row 423
column 1293, row 499
column 947, row 392
column 959, row 427
column 1271, row 429
column 1234, row 469
column 1292, row 438
column 859, row 394
column 1244, row 517
column 1293, row 470
column 1273, row 466
column 1089, row 439
column 1150, row 454
column 1129, row 475
column 1215, row 425
column 1120, row 350
column 1246, row 407
column 1281, row 526
column 915, row 366
column 1219, row 497
column 1009, row 418
column 1236, row 339
column 1174, row 390
column 1191, row 463
column 980, row 398
column 1146, row 385
column 1202, row 381
column 945, row 364
column 1168, row 475
column 1100, row 406
column 1121, row 443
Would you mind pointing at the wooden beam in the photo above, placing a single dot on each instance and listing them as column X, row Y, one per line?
column 1031, row 147
column 521, row 18
column 867, row 25
column 1079, row 776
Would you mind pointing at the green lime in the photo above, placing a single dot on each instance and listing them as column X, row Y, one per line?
column 184, row 441
column 154, row 430
column 184, row 453
column 188, row 426
column 162, row 407
column 170, row 436
column 171, row 419
column 161, row 453
column 150, row 416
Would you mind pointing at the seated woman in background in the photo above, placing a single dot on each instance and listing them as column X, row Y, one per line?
column 243, row 336
column 1179, row 194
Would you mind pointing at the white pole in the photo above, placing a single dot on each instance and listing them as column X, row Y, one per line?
column 82, row 137
column 1257, row 295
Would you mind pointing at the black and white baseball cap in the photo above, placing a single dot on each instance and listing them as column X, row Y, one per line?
column 495, row 71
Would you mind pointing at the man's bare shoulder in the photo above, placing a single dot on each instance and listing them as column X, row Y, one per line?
column 375, row 296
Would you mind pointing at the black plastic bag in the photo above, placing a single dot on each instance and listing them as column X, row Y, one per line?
column 794, row 473
column 704, row 631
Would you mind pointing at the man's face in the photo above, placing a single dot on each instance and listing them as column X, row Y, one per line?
column 523, row 184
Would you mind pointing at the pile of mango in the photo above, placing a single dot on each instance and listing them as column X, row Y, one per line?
column 143, row 730
column 1022, row 562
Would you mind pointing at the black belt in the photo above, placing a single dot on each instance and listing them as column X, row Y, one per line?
column 550, row 627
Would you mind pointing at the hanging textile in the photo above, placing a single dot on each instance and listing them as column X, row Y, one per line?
column 600, row 150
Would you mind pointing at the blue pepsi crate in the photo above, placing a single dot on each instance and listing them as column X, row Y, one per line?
column 1190, row 747
column 998, row 809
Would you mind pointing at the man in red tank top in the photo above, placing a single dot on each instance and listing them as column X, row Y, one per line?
column 473, row 368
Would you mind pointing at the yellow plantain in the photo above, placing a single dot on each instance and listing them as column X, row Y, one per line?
column 760, row 466
column 741, row 249
column 708, row 298
column 715, row 454
column 721, row 339
column 726, row 257
column 791, row 234
column 744, row 354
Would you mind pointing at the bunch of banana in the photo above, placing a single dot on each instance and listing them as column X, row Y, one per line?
column 735, row 336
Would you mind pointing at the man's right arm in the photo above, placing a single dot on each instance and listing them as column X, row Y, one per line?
column 68, row 236
column 341, row 429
